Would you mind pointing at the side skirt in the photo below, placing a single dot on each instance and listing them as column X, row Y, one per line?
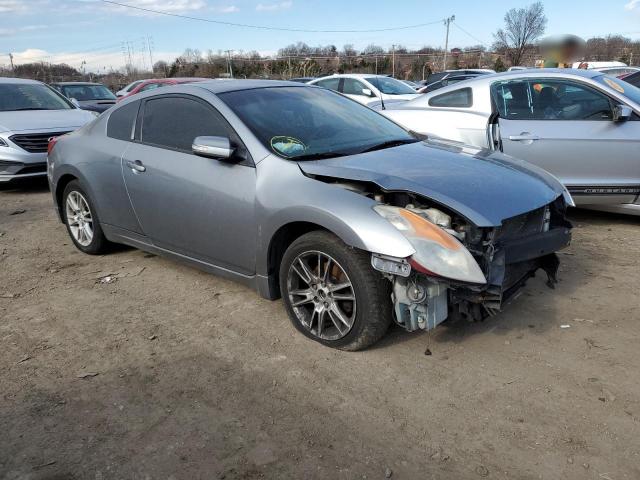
column 132, row 239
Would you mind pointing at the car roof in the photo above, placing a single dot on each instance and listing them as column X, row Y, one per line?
column 9, row 80
column 353, row 75
column 75, row 83
column 227, row 85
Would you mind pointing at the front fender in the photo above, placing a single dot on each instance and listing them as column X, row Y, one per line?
column 286, row 196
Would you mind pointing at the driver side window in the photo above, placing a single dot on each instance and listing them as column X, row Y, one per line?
column 550, row 99
column 353, row 87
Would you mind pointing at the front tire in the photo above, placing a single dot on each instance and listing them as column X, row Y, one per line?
column 332, row 294
column 81, row 220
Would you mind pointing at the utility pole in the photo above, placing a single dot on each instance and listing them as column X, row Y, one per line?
column 393, row 61
column 13, row 68
column 229, row 52
column 149, row 42
column 447, row 22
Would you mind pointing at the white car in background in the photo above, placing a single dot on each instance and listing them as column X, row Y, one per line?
column 370, row 90
column 580, row 125
column 126, row 90
column 31, row 113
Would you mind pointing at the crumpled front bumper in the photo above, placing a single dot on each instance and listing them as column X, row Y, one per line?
column 423, row 302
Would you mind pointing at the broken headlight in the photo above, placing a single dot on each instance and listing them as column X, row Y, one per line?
column 437, row 252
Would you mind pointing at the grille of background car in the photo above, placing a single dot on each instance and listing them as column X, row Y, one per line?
column 34, row 142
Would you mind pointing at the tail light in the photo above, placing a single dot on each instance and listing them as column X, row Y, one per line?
column 51, row 144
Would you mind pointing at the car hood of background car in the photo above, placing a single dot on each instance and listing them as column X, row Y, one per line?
column 485, row 187
column 37, row 120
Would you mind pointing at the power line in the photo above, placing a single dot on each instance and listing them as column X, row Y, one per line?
column 264, row 27
column 469, row 34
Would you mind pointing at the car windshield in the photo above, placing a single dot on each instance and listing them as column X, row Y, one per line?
column 307, row 123
column 87, row 92
column 630, row 91
column 29, row 96
column 390, row 86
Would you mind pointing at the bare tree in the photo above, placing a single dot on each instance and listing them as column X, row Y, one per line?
column 522, row 26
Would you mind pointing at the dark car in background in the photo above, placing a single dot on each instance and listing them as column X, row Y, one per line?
column 94, row 97
column 632, row 78
column 439, row 80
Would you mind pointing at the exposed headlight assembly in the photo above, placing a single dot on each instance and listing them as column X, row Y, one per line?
column 437, row 252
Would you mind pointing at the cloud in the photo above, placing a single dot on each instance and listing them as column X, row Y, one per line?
column 632, row 5
column 271, row 7
column 20, row 6
column 229, row 9
column 95, row 61
column 169, row 6
column 6, row 32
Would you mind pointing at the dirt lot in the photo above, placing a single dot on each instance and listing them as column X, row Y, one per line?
column 170, row 373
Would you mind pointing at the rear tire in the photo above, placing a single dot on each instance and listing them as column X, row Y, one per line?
column 318, row 298
column 82, row 221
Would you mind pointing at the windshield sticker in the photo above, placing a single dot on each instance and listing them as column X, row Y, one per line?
column 614, row 85
column 287, row 146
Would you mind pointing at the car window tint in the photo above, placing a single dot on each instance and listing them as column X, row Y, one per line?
column 352, row 87
column 330, row 83
column 549, row 99
column 121, row 120
column 174, row 122
column 462, row 98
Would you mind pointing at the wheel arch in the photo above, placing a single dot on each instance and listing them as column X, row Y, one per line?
column 278, row 245
column 61, row 184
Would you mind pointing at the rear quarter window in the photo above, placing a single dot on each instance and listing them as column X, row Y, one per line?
column 462, row 98
column 121, row 121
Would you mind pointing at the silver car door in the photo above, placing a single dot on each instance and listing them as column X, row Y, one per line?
column 567, row 128
column 199, row 207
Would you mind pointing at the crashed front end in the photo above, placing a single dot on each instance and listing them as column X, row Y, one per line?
column 461, row 270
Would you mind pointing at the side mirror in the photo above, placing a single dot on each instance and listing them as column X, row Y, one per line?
column 213, row 147
column 622, row 113
column 367, row 92
column 75, row 102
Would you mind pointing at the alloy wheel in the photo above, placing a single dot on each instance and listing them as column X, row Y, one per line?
column 79, row 218
column 321, row 295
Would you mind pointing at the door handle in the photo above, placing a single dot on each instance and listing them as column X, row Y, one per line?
column 136, row 166
column 524, row 137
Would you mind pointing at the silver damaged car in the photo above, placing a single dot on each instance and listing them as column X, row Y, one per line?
column 304, row 194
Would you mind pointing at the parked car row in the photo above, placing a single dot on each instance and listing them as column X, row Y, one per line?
column 357, row 217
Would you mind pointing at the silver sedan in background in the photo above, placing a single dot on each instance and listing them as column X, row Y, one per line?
column 302, row 193
column 581, row 126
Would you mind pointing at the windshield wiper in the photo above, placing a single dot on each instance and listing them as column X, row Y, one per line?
column 29, row 108
column 319, row 156
column 389, row 144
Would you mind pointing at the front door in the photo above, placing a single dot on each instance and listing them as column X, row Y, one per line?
column 567, row 128
column 195, row 206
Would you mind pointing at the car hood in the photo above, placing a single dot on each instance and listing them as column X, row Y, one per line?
column 484, row 186
column 97, row 105
column 38, row 120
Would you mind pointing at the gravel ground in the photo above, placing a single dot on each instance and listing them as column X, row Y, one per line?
column 170, row 373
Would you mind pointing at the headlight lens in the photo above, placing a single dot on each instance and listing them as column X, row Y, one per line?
column 437, row 252
column 3, row 143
